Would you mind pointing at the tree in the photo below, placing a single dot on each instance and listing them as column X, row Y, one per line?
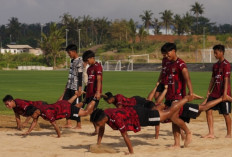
column 156, row 25
column 52, row 43
column 197, row 10
column 167, row 18
column 14, row 29
column 146, row 18
column 142, row 33
column 187, row 23
column 132, row 29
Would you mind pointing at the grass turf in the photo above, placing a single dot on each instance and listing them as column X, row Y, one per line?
column 49, row 85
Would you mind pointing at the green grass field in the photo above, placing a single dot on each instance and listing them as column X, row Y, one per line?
column 49, row 85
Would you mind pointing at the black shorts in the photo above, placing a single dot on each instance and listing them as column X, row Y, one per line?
column 88, row 100
column 140, row 101
column 69, row 93
column 74, row 113
column 147, row 117
column 189, row 111
column 222, row 107
column 160, row 88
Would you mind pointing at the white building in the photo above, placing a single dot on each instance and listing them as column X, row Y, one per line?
column 17, row 49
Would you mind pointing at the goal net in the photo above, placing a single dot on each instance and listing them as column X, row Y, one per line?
column 143, row 58
column 118, row 65
column 207, row 55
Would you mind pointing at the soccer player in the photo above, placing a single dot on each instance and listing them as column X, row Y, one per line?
column 19, row 106
column 219, row 86
column 130, row 119
column 94, row 86
column 60, row 109
column 74, row 81
column 177, row 77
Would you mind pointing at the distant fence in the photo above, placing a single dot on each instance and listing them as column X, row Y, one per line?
column 34, row 68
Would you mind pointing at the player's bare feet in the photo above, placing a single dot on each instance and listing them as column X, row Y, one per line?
column 195, row 96
column 174, row 147
column 188, row 139
column 228, row 136
column 77, row 127
column 93, row 133
column 67, row 126
column 208, row 136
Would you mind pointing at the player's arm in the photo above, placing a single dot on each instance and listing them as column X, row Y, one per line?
column 56, row 127
column 127, row 141
column 18, row 121
column 152, row 93
column 224, row 96
column 162, row 95
column 186, row 76
column 79, row 85
column 99, row 84
column 26, row 121
column 33, row 124
column 100, row 134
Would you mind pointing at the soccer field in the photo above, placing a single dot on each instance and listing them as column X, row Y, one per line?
column 49, row 85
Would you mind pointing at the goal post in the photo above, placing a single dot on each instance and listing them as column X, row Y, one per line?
column 142, row 58
column 118, row 65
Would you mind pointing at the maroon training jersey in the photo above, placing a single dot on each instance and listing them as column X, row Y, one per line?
column 221, row 70
column 21, row 105
column 121, row 100
column 93, row 71
column 165, row 62
column 123, row 119
column 176, row 82
column 60, row 109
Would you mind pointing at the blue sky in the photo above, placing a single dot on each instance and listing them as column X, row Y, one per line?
column 43, row 11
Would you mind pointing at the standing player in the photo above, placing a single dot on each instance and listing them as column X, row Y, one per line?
column 177, row 77
column 19, row 106
column 74, row 81
column 94, row 86
column 219, row 86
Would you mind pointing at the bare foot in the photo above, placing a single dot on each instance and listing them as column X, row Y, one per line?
column 208, row 136
column 67, row 126
column 188, row 140
column 174, row 147
column 77, row 127
column 228, row 136
column 93, row 133
column 195, row 96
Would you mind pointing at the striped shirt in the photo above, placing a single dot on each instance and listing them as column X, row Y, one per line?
column 76, row 66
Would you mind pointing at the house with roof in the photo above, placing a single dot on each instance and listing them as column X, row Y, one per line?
column 17, row 49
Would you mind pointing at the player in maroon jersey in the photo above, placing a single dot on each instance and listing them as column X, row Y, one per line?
column 94, row 86
column 219, row 86
column 131, row 118
column 177, row 76
column 60, row 109
column 19, row 106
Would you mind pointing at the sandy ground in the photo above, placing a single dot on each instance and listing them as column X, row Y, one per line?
column 42, row 142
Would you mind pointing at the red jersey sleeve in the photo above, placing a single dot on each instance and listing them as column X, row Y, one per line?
column 226, row 70
column 119, row 123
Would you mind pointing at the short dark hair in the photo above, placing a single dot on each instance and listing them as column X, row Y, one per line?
column 30, row 110
column 109, row 95
column 168, row 47
column 71, row 47
column 88, row 54
column 7, row 98
column 97, row 115
column 219, row 47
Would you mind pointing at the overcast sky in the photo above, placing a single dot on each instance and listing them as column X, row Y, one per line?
column 44, row 11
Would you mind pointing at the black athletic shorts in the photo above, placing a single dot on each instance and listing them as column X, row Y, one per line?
column 168, row 102
column 222, row 107
column 140, row 101
column 160, row 88
column 147, row 117
column 88, row 100
column 189, row 111
column 74, row 113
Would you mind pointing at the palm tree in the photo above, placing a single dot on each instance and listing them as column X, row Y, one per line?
column 187, row 23
column 146, row 18
column 156, row 25
column 197, row 10
column 52, row 43
column 167, row 18
column 14, row 28
column 132, row 29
